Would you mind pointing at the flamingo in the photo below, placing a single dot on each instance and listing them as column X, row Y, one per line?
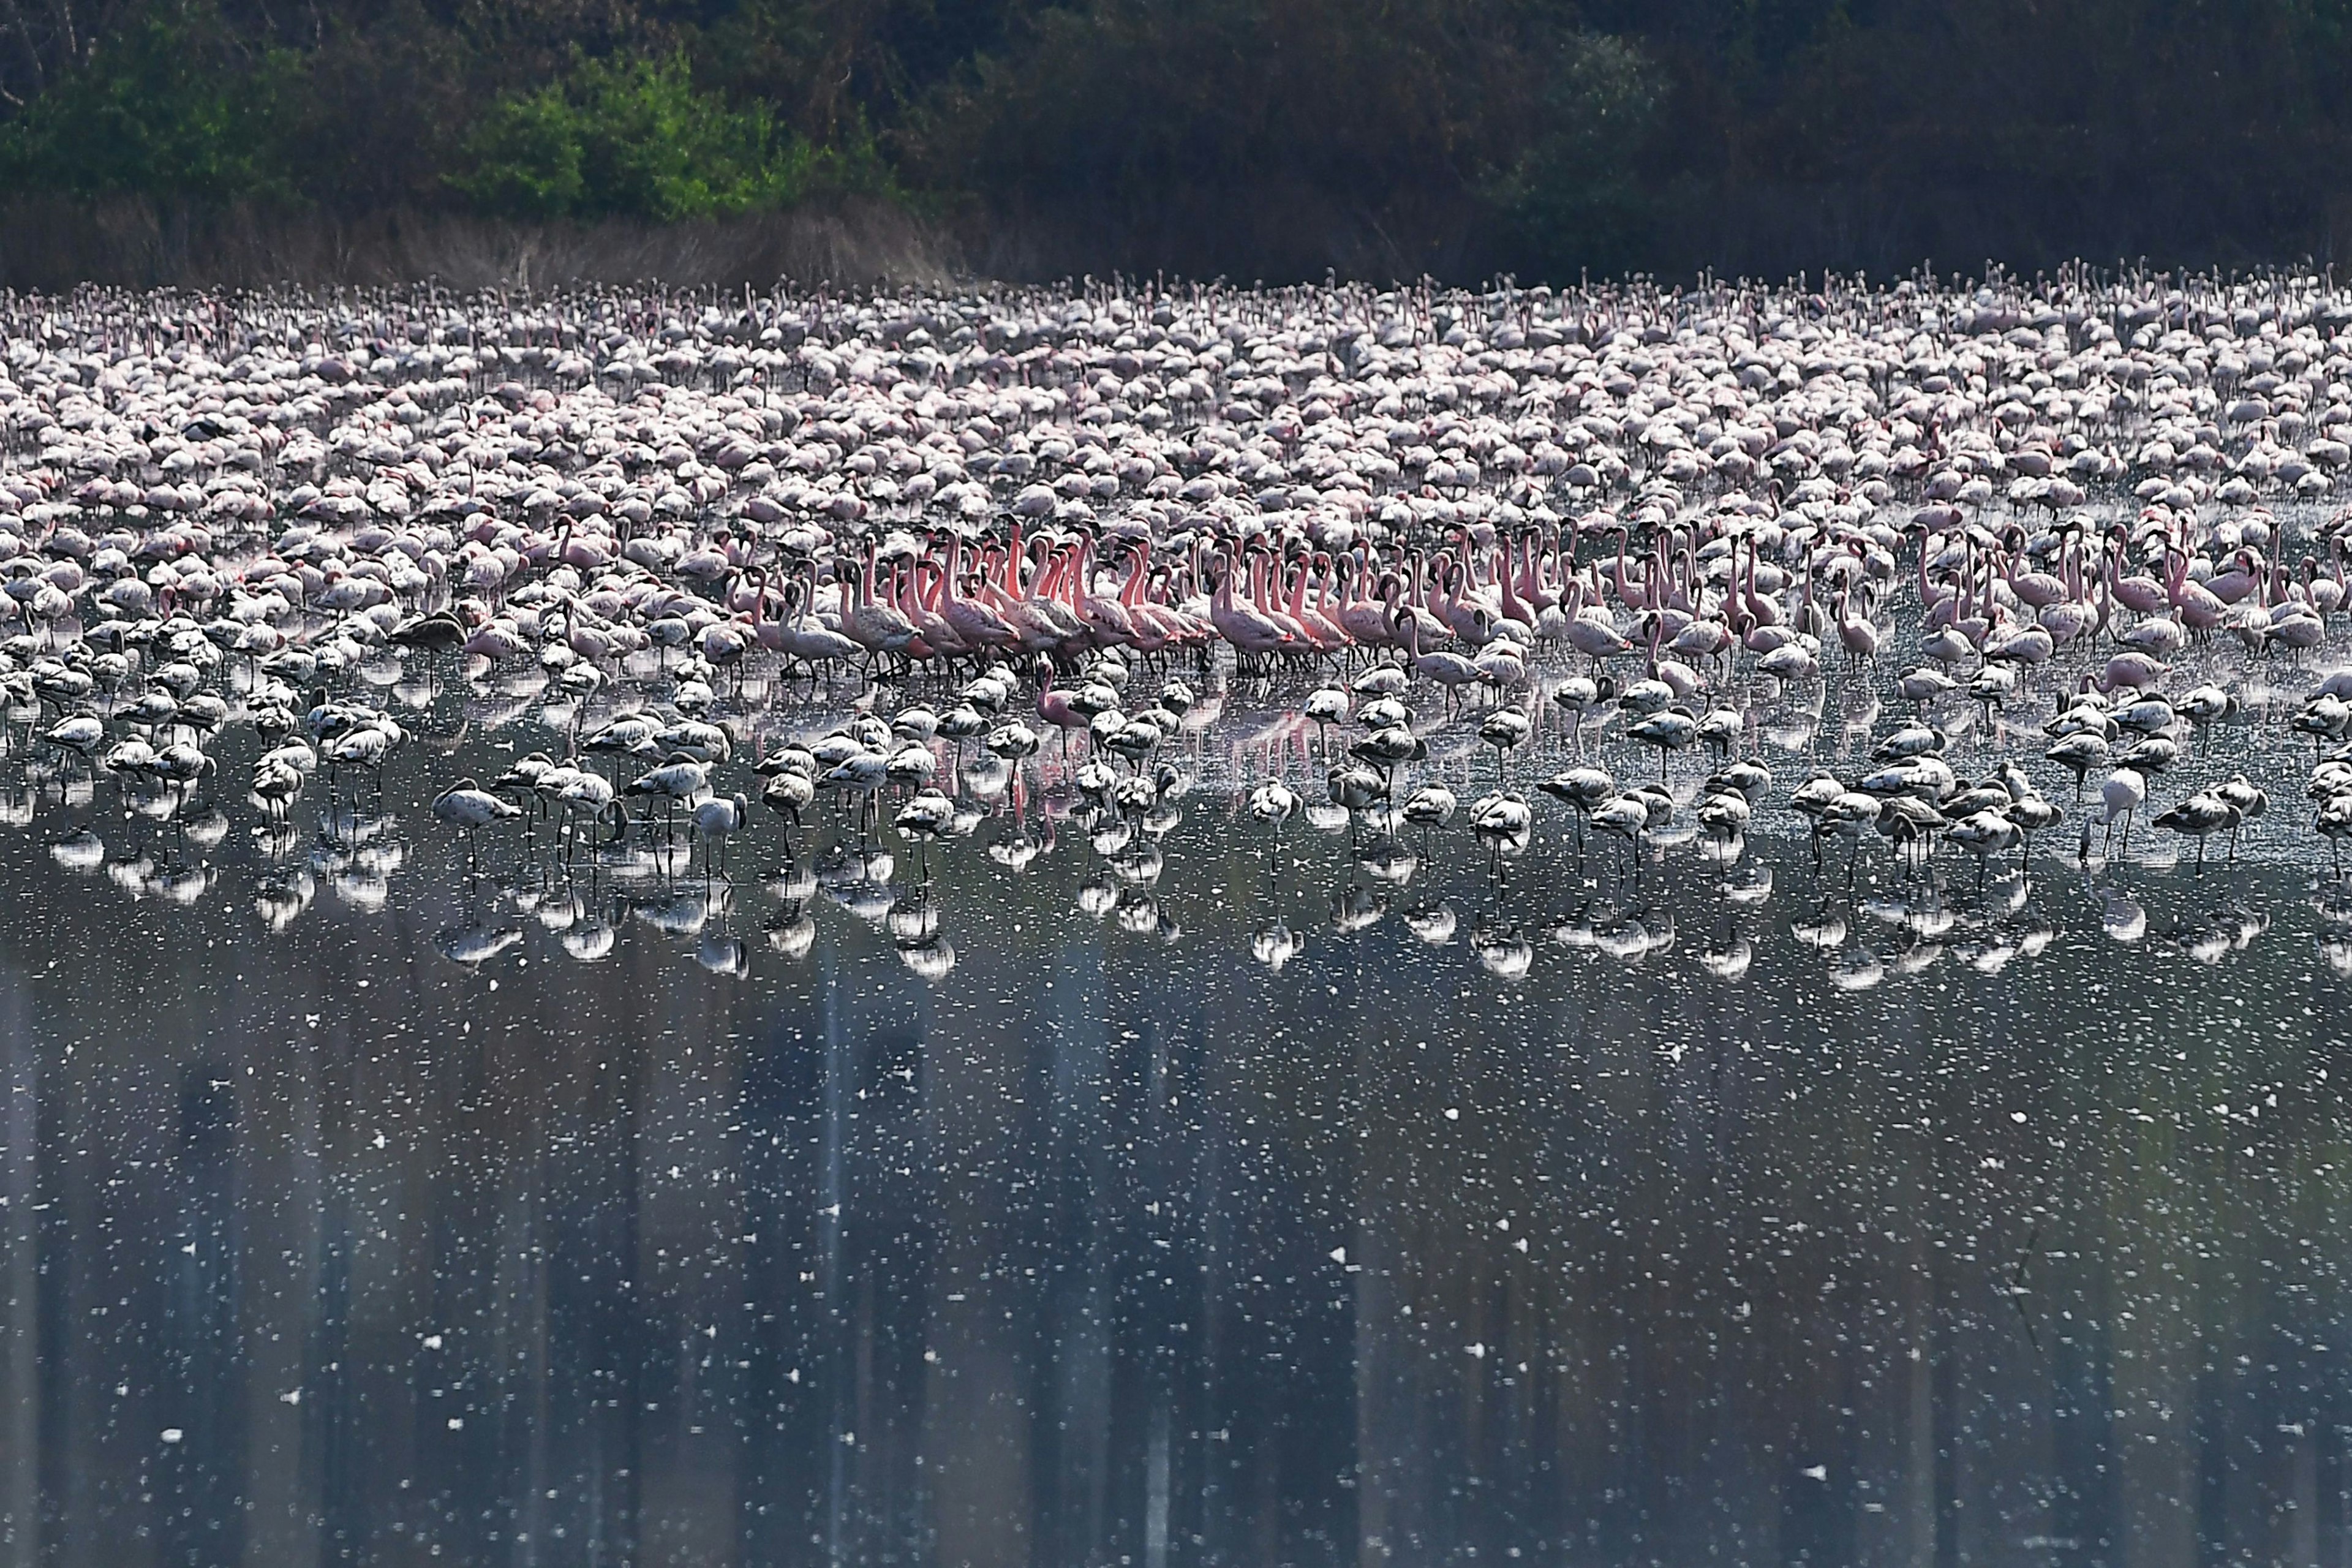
column 469, row 808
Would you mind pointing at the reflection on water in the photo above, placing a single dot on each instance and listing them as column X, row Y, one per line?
column 1055, row 1194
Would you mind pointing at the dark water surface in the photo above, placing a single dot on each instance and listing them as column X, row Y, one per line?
column 1210, row 1212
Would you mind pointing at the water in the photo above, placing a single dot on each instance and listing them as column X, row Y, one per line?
column 1079, row 1215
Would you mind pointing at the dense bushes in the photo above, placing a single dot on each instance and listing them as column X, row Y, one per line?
column 1270, row 135
column 636, row 138
column 1255, row 138
column 176, row 105
column 1573, row 195
column 162, row 108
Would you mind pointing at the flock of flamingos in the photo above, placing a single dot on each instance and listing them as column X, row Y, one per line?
column 1941, row 578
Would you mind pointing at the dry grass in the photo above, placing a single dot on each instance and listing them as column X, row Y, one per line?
column 50, row 244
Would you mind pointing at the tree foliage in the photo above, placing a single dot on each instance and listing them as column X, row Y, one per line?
column 1574, row 194
column 637, row 138
column 166, row 107
column 1220, row 133
column 1254, row 138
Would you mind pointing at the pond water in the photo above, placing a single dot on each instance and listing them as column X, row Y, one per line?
column 1199, row 1200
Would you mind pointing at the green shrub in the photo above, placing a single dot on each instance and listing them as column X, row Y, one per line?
column 166, row 109
column 636, row 138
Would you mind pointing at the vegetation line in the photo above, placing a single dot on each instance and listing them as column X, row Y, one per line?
column 1272, row 138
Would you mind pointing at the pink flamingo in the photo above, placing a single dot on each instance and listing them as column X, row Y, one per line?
column 1858, row 633
column 979, row 625
column 1055, row 706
